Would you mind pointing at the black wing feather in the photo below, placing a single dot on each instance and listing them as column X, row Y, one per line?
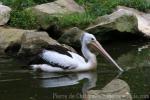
column 59, row 49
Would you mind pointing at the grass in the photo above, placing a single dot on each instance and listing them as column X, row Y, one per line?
column 101, row 7
column 77, row 20
column 23, row 19
column 94, row 8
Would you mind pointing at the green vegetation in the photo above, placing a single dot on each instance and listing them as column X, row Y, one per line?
column 18, row 4
column 94, row 8
column 23, row 19
column 78, row 20
column 21, row 4
column 101, row 7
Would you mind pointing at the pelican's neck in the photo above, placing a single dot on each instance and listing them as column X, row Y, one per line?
column 92, row 62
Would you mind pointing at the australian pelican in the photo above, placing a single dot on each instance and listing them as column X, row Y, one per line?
column 58, row 59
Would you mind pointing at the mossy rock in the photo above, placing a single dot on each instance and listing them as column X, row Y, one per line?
column 122, row 24
column 48, row 13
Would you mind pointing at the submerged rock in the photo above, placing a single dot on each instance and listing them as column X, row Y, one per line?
column 4, row 14
column 55, row 9
column 117, row 89
column 124, row 19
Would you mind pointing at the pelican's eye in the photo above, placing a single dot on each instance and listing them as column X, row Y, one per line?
column 92, row 39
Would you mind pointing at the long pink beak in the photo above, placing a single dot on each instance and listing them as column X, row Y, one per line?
column 105, row 54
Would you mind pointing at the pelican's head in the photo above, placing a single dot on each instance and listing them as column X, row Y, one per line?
column 89, row 39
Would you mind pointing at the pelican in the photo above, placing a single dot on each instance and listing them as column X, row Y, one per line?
column 59, row 59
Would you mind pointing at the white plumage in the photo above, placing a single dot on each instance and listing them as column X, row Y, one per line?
column 62, row 60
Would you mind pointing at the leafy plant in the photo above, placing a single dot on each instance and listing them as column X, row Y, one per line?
column 23, row 19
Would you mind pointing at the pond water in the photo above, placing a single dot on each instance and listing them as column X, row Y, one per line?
column 17, row 83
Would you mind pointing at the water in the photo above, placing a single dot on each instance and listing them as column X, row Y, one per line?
column 17, row 83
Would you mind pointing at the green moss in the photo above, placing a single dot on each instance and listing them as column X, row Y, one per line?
column 23, row 19
column 126, row 24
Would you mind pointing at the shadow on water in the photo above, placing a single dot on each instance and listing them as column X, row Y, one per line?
column 17, row 83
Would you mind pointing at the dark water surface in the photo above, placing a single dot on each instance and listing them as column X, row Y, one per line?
column 17, row 83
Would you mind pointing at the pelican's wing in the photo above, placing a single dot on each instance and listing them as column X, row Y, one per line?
column 58, row 56
column 54, row 59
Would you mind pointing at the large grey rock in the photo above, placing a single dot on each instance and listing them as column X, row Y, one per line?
column 33, row 41
column 4, row 14
column 58, row 8
column 124, row 19
column 21, row 42
column 117, row 89
column 10, row 36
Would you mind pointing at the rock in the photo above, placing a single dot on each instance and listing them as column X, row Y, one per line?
column 54, row 31
column 124, row 19
column 144, row 24
column 55, row 9
column 9, row 36
column 24, row 43
column 4, row 14
column 147, row 1
column 117, row 89
column 33, row 41
column 59, row 7
column 71, row 37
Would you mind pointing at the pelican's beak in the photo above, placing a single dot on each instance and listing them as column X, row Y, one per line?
column 99, row 47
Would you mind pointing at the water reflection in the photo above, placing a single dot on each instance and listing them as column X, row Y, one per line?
column 51, row 80
column 55, row 80
column 139, row 57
